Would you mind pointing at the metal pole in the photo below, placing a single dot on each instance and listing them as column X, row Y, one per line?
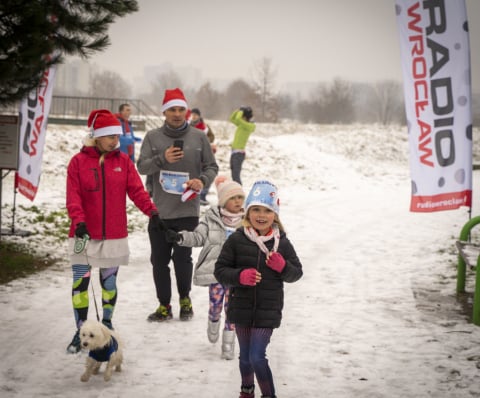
column 14, row 207
column 462, row 268
column 476, row 296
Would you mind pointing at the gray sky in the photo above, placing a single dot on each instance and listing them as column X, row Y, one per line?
column 307, row 40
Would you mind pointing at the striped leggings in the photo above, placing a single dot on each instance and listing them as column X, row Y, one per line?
column 81, row 279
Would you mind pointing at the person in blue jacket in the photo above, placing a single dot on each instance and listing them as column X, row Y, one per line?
column 127, row 139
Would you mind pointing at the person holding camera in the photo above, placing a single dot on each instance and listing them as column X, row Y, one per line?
column 242, row 118
column 182, row 163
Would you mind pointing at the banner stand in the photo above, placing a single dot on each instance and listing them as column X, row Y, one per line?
column 12, row 231
column 435, row 55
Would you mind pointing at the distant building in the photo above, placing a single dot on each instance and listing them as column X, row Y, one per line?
column 73, row 78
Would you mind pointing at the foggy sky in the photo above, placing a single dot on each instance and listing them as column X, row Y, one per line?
column 307, row 40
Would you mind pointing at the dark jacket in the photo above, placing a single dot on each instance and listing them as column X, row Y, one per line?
column 261, row 305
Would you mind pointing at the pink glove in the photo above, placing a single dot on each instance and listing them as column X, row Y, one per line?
column 248, row 277
column 276, row 262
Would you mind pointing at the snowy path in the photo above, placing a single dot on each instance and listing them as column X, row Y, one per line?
column 374, row 315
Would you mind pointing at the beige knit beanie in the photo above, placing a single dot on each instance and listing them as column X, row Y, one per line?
column 227, row 189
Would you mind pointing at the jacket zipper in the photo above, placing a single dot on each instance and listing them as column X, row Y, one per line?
column 255, row 289
column 104, row 232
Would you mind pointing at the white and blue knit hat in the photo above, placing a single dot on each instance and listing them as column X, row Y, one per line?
column 263, row 193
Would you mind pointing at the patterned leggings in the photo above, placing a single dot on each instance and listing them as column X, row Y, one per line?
column 80, row 301
column 253, row 344
column 218, row 301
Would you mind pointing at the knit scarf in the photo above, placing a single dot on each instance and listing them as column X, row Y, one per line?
column 231, row 219
column 259, row 239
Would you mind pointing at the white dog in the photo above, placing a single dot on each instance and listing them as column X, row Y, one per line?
column 103, row 345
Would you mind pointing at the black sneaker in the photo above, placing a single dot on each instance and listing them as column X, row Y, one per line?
column 108, row 323
column 74, row 346
column 186, row 310
column 163, row 313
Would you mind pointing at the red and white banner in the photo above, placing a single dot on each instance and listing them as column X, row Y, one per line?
column 33, row 125
column 435, row 52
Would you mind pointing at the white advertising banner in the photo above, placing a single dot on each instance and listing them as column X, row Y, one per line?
column 33, row 124
column 435, row 55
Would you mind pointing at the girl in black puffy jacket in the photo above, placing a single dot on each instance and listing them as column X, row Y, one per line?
column 255, row 261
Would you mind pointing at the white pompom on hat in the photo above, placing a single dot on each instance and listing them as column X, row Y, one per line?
column 102, row 122
column 263, row 193
column 173, row 98
column 227, row 189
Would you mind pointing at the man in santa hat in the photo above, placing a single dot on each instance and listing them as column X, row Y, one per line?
column 182, row 163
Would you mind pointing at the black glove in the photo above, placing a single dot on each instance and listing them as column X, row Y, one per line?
column 81, row 230
column 158, row 223
column 172, row 236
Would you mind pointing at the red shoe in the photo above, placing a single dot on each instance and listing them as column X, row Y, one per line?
column 247, row 392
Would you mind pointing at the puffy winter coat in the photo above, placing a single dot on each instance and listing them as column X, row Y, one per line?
column 211, row 234
column 97, row 194
column 260, row 305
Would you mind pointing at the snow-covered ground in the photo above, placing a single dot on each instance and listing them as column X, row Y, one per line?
column 375, row 315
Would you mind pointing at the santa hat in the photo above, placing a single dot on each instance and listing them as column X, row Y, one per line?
column 227, row 189
column 263, row 193
column 173, row 98
column 102, row 122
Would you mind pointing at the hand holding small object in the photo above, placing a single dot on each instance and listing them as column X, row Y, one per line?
column 173, row 154
column 81, row 230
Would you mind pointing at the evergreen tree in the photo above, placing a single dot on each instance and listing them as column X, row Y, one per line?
column 35, row 34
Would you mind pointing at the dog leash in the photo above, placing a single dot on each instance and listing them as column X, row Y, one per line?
column 80, row 246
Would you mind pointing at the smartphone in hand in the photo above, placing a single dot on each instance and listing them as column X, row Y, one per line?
column 178, row 144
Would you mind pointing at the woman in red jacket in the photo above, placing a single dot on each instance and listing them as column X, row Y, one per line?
column 99, row 178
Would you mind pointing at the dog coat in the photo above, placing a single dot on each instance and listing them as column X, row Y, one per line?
column 103, row 354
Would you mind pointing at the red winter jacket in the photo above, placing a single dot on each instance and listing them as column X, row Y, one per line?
column 97, row 194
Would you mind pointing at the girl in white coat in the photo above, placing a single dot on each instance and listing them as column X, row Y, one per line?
column 215, row 226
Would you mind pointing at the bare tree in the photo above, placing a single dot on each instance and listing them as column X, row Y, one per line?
column 239, row 93
column 385, row 102
column 108, row 84
column 208, row 100
column 286, row 106
column 263, row 83
column 338, row 102
column 309, row 111
column 163, row 82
